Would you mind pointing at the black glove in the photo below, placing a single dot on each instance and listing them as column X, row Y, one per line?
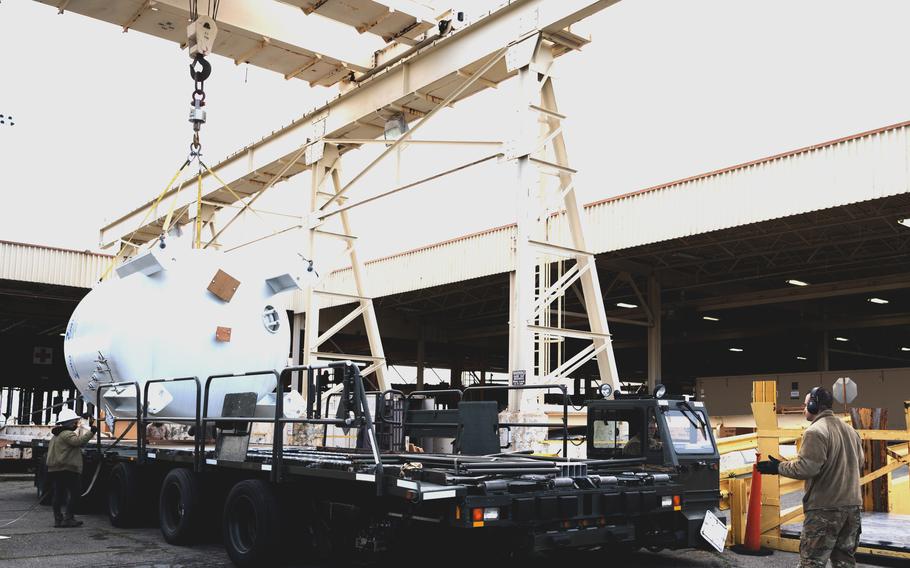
column 769, row 467
column 94, row 429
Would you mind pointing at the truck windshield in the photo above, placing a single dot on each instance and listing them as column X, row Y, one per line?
column 686, row 437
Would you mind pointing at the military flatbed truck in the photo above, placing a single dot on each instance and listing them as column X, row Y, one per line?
column 650, row 478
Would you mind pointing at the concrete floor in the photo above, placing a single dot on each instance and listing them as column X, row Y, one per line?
column 33, row 542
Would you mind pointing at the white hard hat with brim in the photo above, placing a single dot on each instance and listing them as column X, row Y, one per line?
column 66, row 415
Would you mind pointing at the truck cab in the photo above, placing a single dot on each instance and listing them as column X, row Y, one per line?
column 655, row 435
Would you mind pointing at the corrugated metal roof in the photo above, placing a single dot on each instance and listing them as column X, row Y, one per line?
column 860, row 167
column 50, row 265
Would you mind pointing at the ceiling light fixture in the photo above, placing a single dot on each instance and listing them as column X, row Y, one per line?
column 736, row 350
column 395, row 126
column 878, row 300
column 905, row 348
column 626, row 305
column 710, row 318
column 797, row 283
column 838, row 338
column 800, row 357
column 904, row 222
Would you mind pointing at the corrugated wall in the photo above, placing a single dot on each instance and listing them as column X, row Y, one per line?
column 46, row 265
column 857, row 169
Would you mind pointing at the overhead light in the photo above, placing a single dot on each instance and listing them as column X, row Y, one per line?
column 710, row 318
column 800, row 357
column 904, row 222
column 626, row 305
column 62, row 334
column 736, row 350
column 838, row 338
column 395, row 126
column 878, row 300
column 905, row 348
column 797, row 283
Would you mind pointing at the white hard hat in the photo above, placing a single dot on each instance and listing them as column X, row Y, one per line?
column 66, row 415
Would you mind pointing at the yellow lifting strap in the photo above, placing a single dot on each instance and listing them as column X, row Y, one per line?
column 167, row 222
column 246, row 204
column 199, row 211
column 227, row 187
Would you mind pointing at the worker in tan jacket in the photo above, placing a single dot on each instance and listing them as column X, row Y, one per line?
column 64, row 466
column 830, row 460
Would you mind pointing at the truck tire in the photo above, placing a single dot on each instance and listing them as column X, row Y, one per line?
column 124, row 502
column 180, row 506
column 252, row 531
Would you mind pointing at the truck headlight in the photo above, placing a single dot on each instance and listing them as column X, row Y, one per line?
column 666, row 502
column 491, row 514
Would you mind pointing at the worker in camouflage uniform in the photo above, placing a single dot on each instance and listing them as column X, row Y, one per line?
column 830, row 460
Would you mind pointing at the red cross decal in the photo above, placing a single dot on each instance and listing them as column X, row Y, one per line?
column 42, row 355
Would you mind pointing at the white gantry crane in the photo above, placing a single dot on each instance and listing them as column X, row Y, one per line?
column 429, row 63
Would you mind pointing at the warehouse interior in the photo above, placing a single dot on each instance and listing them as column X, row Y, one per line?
column 826, row 290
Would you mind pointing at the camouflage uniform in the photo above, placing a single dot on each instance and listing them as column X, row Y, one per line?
column 830, row 533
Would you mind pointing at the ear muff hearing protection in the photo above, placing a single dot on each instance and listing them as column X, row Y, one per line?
column 812, row 405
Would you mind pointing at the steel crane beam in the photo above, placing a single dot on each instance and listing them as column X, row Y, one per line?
column 412, row 81
column 267, row 34
column 403, row 21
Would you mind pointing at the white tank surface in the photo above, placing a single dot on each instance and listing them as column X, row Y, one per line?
column 179, row 312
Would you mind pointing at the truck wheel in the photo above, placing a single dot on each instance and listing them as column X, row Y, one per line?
column 123, row 498
column 180, row 506
column 252, row 531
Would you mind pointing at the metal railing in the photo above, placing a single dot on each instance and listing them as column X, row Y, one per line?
column 202, row 419
column 135, row 421
column 198, row 434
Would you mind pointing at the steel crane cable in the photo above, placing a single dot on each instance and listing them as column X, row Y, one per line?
column 200, row 70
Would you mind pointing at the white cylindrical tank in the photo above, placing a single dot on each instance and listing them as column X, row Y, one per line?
column 176, row 312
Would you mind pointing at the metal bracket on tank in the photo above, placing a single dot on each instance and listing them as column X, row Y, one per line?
column 146, row 264
column 102, row 366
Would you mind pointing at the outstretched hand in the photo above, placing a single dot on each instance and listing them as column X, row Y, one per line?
column 770, row 466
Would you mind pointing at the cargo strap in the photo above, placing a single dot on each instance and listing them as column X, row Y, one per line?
column 167, row 221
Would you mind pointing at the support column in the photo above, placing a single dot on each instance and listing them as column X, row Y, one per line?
column 421, row 356
column 523, row 280
column 457, row 370
column 311, row 300
column 370, row 322
column 654, row 334
column 297, row 323
column 20, row 407
column 824, row 362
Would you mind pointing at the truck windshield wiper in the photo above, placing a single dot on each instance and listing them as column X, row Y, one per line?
column 701, row 423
